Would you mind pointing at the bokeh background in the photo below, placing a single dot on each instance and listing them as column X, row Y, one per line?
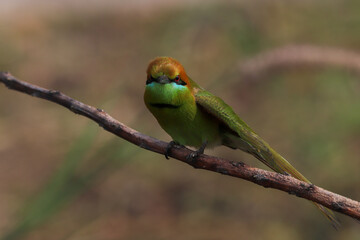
column 63, row 177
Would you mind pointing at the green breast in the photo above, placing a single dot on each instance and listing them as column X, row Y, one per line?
column 175, row 109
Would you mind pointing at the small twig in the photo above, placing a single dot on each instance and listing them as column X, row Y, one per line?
column 299, row 56
column 235, row 169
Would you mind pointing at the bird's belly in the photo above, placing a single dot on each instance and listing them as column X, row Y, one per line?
column 190, row 127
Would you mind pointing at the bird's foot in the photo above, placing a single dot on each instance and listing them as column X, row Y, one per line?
column 168, row 149
column 192, row 157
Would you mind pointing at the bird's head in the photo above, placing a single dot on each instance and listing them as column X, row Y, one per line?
column 166, row 70
column 167, row 84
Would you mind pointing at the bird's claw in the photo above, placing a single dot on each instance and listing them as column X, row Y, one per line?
column 168, row 149
column 192, row 157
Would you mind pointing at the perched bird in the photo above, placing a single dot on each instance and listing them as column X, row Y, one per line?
column 194, row 117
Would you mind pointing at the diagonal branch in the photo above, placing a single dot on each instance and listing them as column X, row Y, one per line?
column 261, row 177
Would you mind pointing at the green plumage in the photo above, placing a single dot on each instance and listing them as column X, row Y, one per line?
column 184, row 122
column 192, row 116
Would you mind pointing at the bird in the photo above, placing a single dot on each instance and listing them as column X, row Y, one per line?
column 195, row 117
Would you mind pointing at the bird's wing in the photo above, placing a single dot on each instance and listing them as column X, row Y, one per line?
column 237, row 134
column 219, row 109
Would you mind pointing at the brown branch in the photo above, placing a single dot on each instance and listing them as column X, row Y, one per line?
column 235, row 169
column 299, row 56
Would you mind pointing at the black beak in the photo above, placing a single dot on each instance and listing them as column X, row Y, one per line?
column 163, row 79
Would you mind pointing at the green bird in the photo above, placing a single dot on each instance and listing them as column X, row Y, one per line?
column 194, row 117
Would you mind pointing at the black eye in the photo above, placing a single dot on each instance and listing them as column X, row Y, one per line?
column 178, row 80
column 149, row 80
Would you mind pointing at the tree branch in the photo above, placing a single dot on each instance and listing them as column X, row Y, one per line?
column 298, row 56
column 261, row 177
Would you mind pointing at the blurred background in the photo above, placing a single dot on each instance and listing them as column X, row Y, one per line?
column 63, row 177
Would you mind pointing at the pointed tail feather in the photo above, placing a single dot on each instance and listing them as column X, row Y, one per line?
column 284, row 165
column 254, row 145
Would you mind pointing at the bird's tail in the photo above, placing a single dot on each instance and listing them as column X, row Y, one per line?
column 253, row 144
